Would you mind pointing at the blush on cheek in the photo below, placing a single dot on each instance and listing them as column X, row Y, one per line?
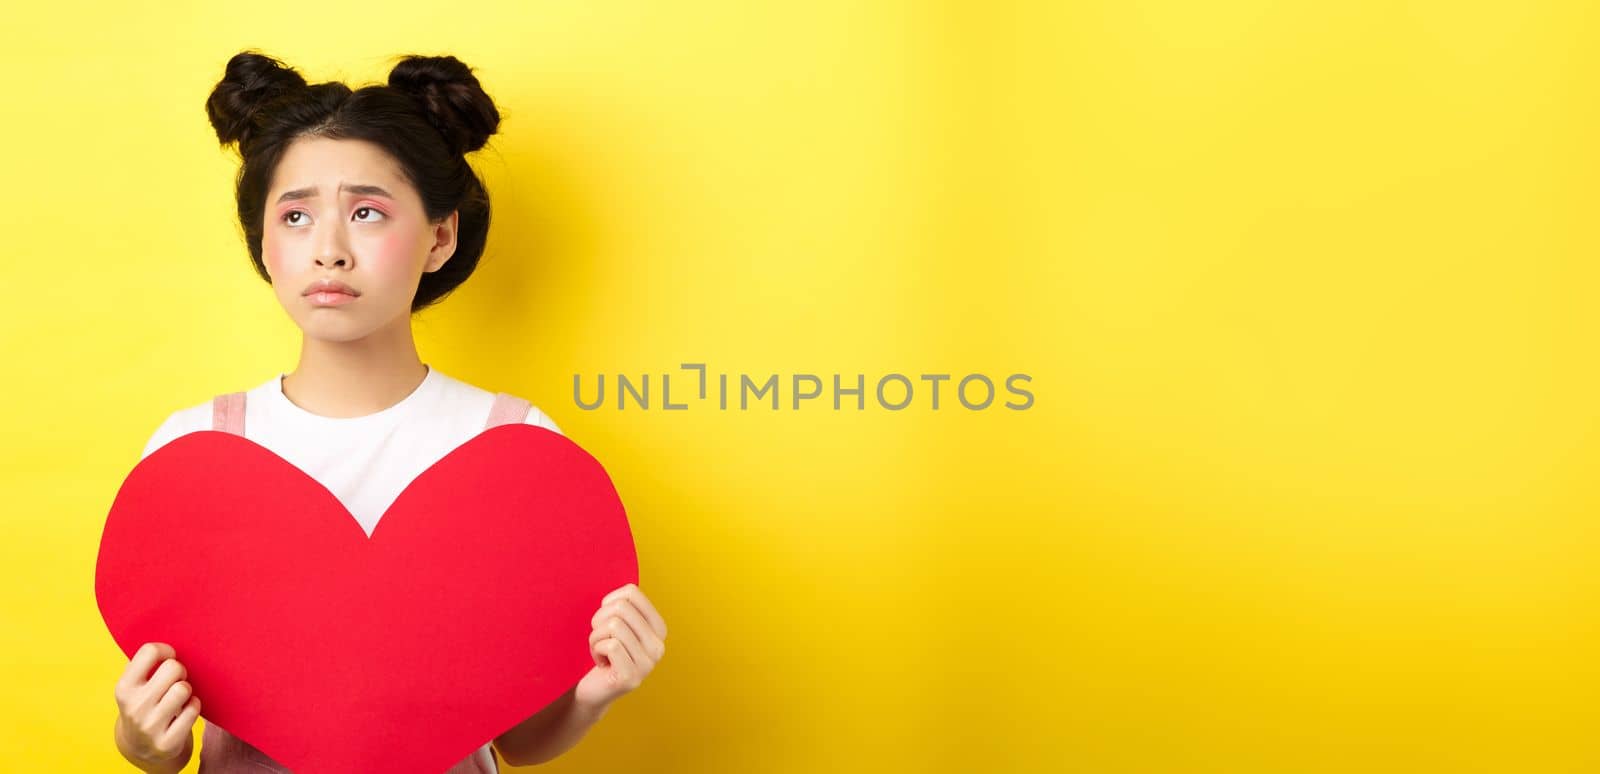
column 272, row 258
column 396, row 251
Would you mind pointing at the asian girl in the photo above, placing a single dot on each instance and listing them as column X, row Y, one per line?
column 359, row 209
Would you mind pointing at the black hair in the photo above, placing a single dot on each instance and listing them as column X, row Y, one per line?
column 430, row 114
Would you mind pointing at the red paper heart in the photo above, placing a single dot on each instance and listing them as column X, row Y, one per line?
column 467, row 611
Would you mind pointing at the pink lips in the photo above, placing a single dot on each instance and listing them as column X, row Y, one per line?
column 330, row 299
column 327, row 292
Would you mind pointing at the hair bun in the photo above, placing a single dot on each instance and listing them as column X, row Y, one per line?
column 250, row 81
column 451, row 97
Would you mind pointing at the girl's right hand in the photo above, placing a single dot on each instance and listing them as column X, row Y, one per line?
column 156, row 712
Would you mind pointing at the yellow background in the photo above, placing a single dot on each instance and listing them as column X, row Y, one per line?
column 1306, row 291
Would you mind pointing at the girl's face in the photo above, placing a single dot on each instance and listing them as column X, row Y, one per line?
column 340, row 210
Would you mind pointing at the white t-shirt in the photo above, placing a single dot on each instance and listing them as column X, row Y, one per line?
column 364, row 461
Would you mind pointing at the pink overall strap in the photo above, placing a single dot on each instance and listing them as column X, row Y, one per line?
column 227, row 413
column 507, row 409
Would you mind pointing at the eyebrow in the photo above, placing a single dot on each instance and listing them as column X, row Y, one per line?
column 311, row 192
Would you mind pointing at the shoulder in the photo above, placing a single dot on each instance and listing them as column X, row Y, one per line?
column 535, row 416
column 541, row 419
column 475, row 402
column 181, row 422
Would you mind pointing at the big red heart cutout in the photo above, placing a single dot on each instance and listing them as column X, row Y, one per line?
column 465, row 612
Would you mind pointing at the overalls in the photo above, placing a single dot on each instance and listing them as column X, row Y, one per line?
column 224, row 753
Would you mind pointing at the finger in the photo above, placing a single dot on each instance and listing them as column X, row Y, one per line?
column 657, row 623
column 182, row 725
column 144, row 659
column 623, row 633
column 621, row 608
column 652, row 647
column 168, row 673
column 617, row 592
column 172, row 702
column 622, row 667
column 633, row 594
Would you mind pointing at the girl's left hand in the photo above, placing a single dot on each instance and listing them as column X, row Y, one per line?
column 627, row 642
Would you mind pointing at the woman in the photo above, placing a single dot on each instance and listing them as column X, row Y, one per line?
column 359, row 208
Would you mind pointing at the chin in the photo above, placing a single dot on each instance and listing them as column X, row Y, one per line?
column 332, row 325
column 336, row 337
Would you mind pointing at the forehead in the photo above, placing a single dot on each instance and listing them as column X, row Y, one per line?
column 324, row 164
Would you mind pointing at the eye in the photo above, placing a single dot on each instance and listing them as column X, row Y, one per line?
column 301, row 215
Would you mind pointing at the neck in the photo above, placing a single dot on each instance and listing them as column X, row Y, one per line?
column 343, row 379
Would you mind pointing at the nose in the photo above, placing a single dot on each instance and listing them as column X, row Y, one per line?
column 331, row 248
